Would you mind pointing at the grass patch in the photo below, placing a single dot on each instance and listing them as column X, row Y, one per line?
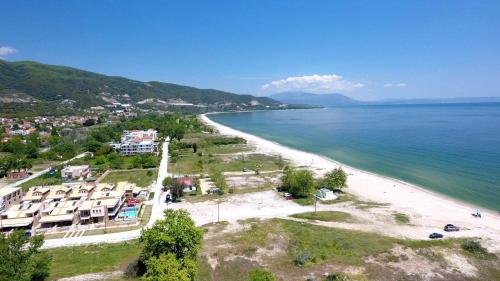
column 41, row 181
column 305, row 201
column 204, row 272
column 311, row 244
column 193, row 163
column 71, row 261
column 334, row 216
column 401, row 218
column 142, row 178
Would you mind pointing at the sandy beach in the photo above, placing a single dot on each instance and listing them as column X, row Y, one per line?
column 425, row 208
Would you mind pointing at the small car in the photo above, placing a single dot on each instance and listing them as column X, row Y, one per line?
column 451, row 227
column 435, row 235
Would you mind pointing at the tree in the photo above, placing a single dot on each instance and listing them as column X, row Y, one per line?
column 168, row 268
column 22, row 259
column 335, row 179
column 300, row 183
column 177, row 190
column 168, row 182
column 89, row 122
column 92, row 145
column 31, row 151
column 176, row 234
column 260, row 274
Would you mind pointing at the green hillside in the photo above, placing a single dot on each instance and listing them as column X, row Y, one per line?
column 78, row 88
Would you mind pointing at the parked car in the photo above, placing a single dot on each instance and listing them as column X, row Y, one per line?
column 435, row 235
column 451, row 227
column 287, row 196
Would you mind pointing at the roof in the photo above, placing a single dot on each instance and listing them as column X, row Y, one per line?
column 104, row 187
column 8, row 190
column 185, row 181
column 81, row 191
column 30, row 195
column 57, row 218
column 17, row 222
column 107, row 194
column 60, row 208
column 59, row 191
column 89, row 204
column 21, row 210
column 125, row 186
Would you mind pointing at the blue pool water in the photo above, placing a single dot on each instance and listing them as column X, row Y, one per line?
column 128, row 212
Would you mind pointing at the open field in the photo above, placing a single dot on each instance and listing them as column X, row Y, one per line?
column 193, row 163
column 142, row 178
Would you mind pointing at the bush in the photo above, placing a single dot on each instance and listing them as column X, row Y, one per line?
column 259, row 274
column 302, row 258
column 475, row 248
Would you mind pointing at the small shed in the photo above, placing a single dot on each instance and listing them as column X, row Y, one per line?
column 325, row 194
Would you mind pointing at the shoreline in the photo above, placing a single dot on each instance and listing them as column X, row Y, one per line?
column 423, row 205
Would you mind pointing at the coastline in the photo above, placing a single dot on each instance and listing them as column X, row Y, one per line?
column 424, row 206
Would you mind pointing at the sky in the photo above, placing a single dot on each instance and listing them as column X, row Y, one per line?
column 368, row 50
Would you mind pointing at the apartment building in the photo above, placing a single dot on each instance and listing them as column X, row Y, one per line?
column 9, row 196
column 136, row 142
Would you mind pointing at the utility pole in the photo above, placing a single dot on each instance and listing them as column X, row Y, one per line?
column 218, row 208
column 105, row 218
column 315, row 204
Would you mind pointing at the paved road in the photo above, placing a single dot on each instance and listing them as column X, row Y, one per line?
column 37, row 174
column 156, row 213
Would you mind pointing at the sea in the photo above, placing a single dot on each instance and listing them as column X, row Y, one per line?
column 452, row 149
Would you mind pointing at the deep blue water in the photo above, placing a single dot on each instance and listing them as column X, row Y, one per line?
column 453, row 149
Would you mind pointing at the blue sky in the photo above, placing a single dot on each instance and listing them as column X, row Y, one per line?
column 365, row 49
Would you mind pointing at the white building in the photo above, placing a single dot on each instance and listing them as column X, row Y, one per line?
column 136, row 142
column 75, row 172
column 325, row 194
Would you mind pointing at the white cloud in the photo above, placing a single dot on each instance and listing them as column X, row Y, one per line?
column 6, row 50
column 394, row 85
column 319, row 84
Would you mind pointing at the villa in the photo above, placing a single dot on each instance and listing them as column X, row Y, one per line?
column 112, row 200
column 81, row 192
column 75, row 172
column 36, row 194
column 58, row 193
column 20, row 216
column 59, row 213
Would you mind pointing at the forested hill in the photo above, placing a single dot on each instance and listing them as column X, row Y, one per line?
column 31, row 82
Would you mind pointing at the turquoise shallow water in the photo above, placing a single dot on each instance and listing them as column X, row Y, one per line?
column 453, row 149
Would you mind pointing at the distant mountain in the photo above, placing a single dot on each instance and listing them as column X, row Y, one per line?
column 302, row 98
column 438, row 101
column 314, row 99
column 31, row 82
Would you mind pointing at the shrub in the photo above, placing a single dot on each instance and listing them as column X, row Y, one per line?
column 302, row 258
column 475, row 248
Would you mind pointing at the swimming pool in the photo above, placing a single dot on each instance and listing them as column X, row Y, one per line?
column 128, row 213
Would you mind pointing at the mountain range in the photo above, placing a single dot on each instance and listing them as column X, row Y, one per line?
column 335, row 99
column 30, row 83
